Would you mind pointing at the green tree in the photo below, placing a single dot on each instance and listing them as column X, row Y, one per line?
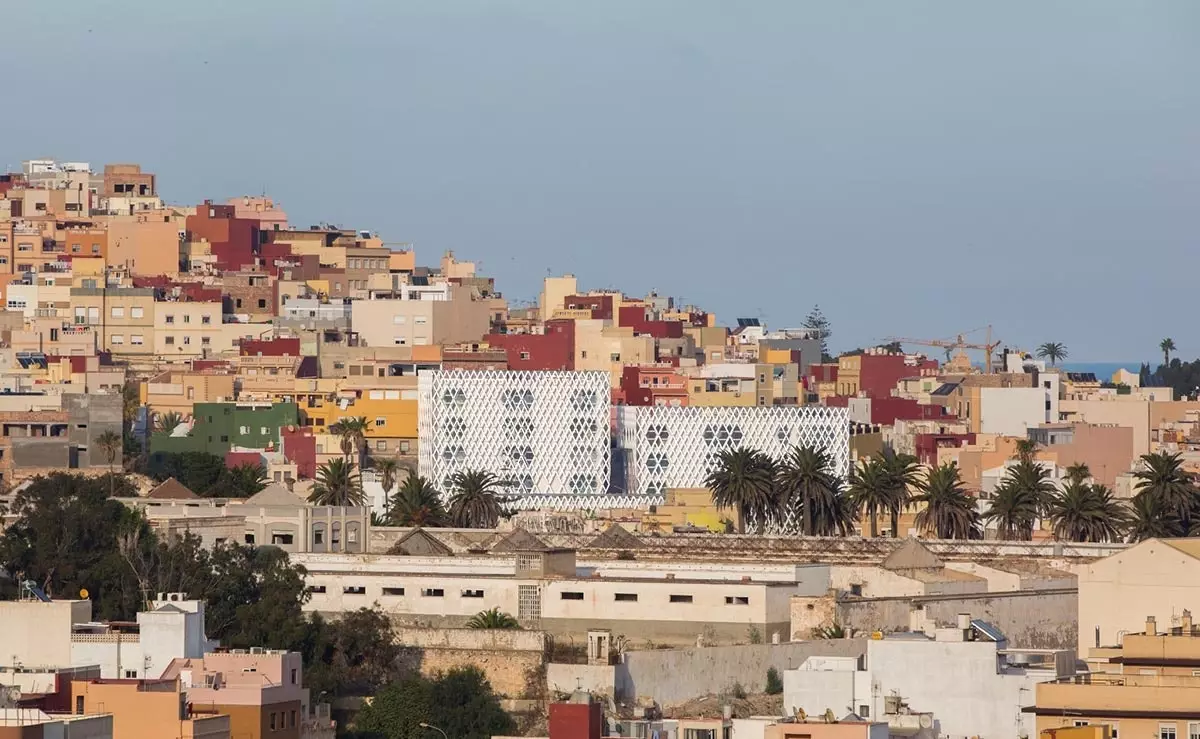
column 337, row 484
column 356, row 654
column 834, row 631
column 493, row 618
column 1161, row 476
column 903, row 472
column 949, row 511
column 807, row 484
column 1019, row 500
column 109, row 443
column 774, row 684
column 417, row 503
column 1053, row 351
column 241, row 481
column 744, row 480
column 820, row 326
column 388, row 470
column 352, row 432
column 460, row 702
column 1167, row 346
column 197, row 471
column 476, row 501
column 1083, row 512
column 1151, row 518
column 1024, row 450
column 169, row 421
column 1078, row 473
column 871, row 489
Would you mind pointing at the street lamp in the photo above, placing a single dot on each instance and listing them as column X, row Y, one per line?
column 424, row 725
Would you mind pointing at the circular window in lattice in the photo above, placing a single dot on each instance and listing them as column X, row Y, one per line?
column 657, row 434
column 454, row 398
column 657, row 463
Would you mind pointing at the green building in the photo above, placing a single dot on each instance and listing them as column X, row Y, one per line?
column 218, row 427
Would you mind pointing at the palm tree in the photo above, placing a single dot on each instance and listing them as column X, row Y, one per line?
column 903, row 473
column 1078, row 473
column 949, row 511
column 1052, row 350
column 388, row 470
column 1167, row 346
column 244, row 480
column 1020, row 499
column 1025, row 449
column 835, row 631
column 1151, row 518
column 493, row 618
column 416, row 503
column 871, row 490
column 1161, row 476
column 169, row 421
column 353, row 434
column 744, row 480
column 337, row 484
column 1082, row 512
column 110, row 443
column 807, row 483
column 836, row 513
column 476, row 502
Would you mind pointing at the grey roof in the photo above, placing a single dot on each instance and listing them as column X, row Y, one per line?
column 520, row 540
column 615, row 536
column 419, row 543
column 911, row 555
column 171, row 489
column 275, row 495
column 945, row 388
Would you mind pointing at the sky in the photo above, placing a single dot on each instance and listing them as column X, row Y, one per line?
column 916, row 168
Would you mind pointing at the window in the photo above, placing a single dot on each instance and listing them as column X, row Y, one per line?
column 316, row 588
column 420, row 320
column 864, row 711
column 856, row 589
column 280, row 539
column 249, row 535
column 399, row 341
column 1166, row 731
column 187, row 340
column 137, row 312
column 262, row 303
column 614, row 357
column 625, row 597
column 205, row 340
column 737, row 600
column 398, row 320
column 524, row 355
column 393, row 591
column 118, row 311
column 404, row 446
column 318, row 536
column 293, row 712
column 681, row 599
column 169, row 341
column 205, row 320
column 354, row 590
column 1080, row 723
column 583, row 354
column 272, row 721
column 572, row 595
column 381, row 446
column 472, row 594
column 79, row 705
column 1194, row 730
column 170, row 319
column 117, row 339
column 380, row 421
column 137, row 340
column 24, row 247
column 131, row 674
column 432, row 592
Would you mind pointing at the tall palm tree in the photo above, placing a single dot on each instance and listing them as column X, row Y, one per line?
column 493, row 618
column 744, row 480
column 1151, row 518
column 1078, row 473
column 1052, row 350
column 806, row 483
column 949, row 511
column 1167, row 346
column 388, row 470
column 903, row 473
column 244, row 480
column 1020, row 499
column 871, row 490
column 476, row 501
column 1082, row 512
column 110, row 443
column 337, row 484
column 416, row 503
column 1161, row 476
column 352, row 432
column 836, row 513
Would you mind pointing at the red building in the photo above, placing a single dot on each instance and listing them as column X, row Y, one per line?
column 280, row 347
column 552, row 350
column 233, row 240
column 879, row 373
column 576, row 721
column 886, row 411
column 928, row 445
column 653, row 385
column 601, row 306
column 637, row 317
column 299, row 447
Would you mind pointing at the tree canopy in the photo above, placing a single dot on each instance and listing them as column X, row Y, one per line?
column 460, row 702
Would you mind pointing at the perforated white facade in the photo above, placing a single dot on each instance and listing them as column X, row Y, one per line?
column 676, row 447
column 546, row 434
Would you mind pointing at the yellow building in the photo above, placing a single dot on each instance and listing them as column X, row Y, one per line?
column 689, row 507
column 1152, row 691
column 179, row 390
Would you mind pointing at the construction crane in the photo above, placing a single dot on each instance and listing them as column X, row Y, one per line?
column 959, row 342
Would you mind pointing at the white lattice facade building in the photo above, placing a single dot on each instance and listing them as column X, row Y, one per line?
column 545, row 434
column 676, row 447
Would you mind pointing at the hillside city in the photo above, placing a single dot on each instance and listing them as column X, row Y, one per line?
column 267, row 479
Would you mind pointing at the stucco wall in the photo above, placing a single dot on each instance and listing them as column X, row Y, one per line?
column 512, row 660
column 599, row 680
column 676, row 675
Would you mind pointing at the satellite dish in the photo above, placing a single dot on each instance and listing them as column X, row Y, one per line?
column 14, row 695
column 926, row 721
column 83, row 593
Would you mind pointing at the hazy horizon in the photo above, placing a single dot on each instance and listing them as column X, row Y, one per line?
column 917, row 169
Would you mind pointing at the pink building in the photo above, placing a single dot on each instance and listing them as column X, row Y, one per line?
column 270, row 216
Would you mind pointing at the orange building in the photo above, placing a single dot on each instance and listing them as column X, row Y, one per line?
column 147, row 709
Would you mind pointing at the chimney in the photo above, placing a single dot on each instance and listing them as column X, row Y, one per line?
column 1186, row 622
column 1151, row 629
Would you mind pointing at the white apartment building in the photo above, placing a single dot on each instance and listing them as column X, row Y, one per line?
column 546, row 434
column 676, row 447
column 671, row 602
column 966, row 677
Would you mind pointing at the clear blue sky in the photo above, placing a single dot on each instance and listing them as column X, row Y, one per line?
column 917, row 168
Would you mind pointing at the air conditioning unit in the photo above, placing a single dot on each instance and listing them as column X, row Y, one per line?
column 257, row 650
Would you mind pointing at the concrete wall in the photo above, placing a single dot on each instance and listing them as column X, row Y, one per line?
column 599, row 680
column 512, row 660
column 1011, row 410
column 676, row 675
column 1037, row 620
column 37, row 634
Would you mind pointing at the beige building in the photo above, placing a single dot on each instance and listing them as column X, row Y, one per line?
column 601, row 346
column 554, row 294
column 146, row 242
column 187, row 330
column 456, row 318
column 123, row 318
column 179, row 390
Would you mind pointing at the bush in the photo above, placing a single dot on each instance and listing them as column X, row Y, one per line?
column 774, row 682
